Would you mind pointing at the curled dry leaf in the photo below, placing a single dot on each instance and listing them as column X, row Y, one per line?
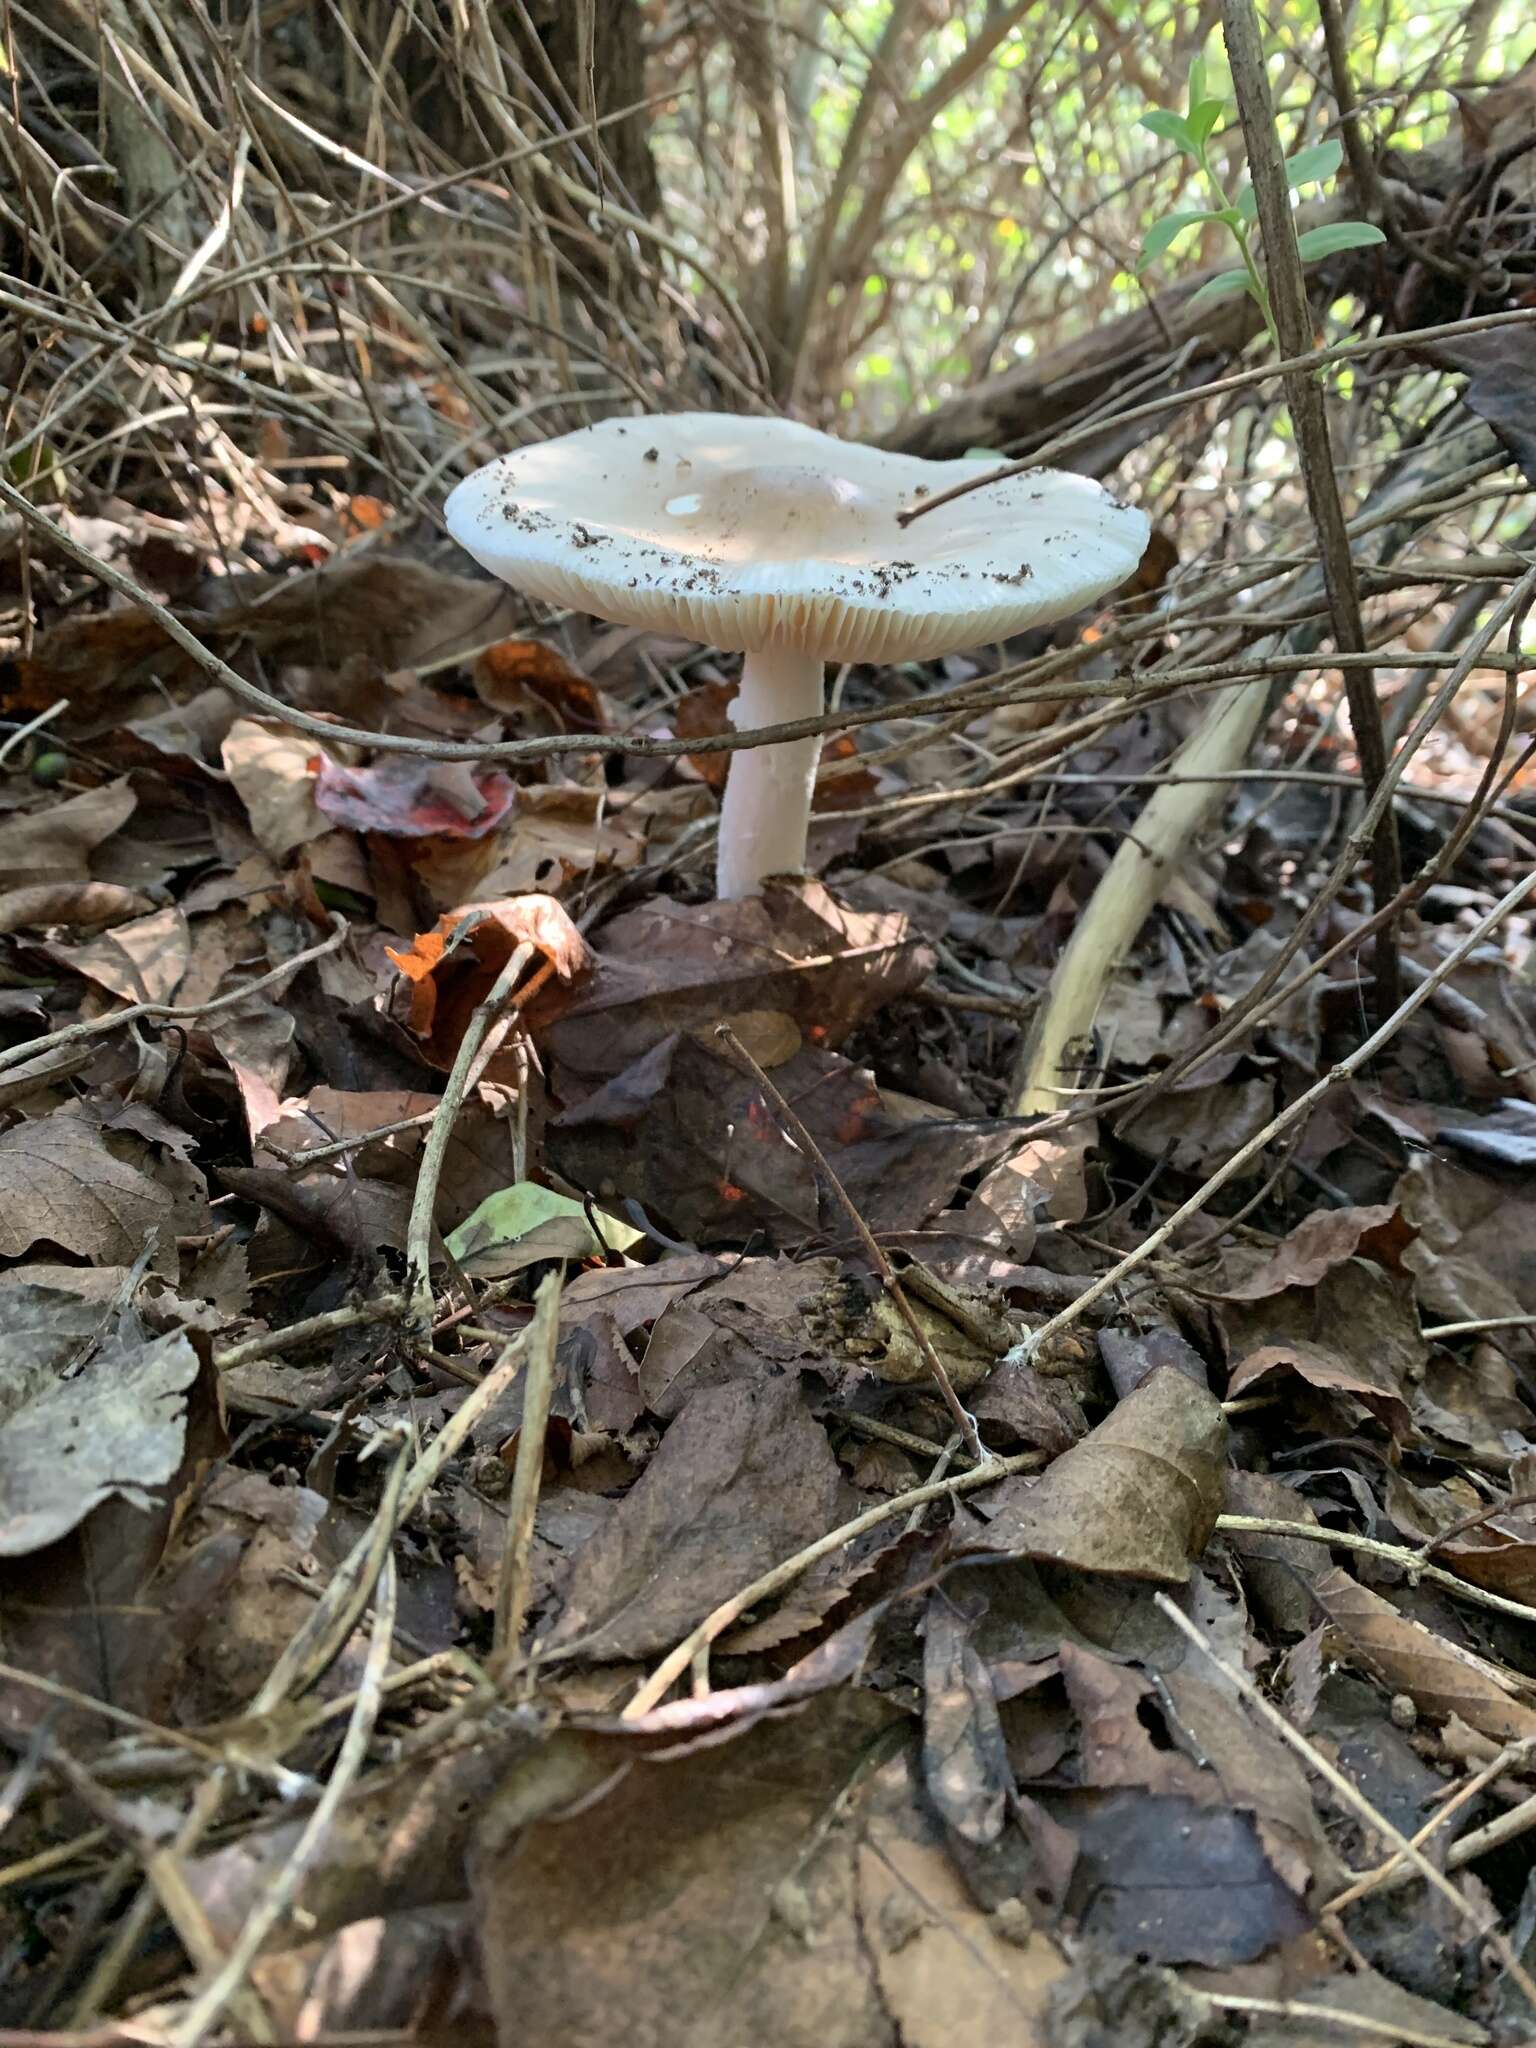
column 273, row 770
column 1324, row 1240
column 1138, row 1497
column 1439, row 1678
column 453, row 967
column 1354, row 1333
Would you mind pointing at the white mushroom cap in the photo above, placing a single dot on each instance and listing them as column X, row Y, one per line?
column 763, row 534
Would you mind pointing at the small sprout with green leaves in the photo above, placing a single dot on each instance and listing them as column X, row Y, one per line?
column 1191, row 132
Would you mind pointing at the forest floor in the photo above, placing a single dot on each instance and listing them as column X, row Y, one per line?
column 618, row 1639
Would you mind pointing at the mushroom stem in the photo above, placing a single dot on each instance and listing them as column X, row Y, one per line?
column 766, row 812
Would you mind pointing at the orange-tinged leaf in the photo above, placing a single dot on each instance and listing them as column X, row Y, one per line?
column 450, row 969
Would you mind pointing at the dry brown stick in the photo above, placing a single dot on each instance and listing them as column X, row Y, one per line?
column 1413, row 1562
column 1294, row 328
column 171, row 1013
column 279, row 1894
column 1219, row 387
column 1309, row 2015
column 965, row 1422
column 1512, row 1754
column 418, row 1235
column 1351, row 1796
column 516, row 1575
column 337, row 1148
column 1475, row 1520
column 271, row 1342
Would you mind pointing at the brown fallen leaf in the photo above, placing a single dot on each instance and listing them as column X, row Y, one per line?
column 1138, row 1497
column 735, row 1324
column 1333, row 1305
column 105, row 1428
column 1174, row 1880
column 1322, row 1241
column 54, row 843
column 79, row 904
column 534, row 685
column 668, row 967
column 337, row 1210
column 115, row 1426
column 61, row 1183
column 690, row 1138
column 273, row 770
column 711, row 1906
column 1471, row 1257
column 1210, row 1754
column 743, row 1479
column 1197, row 1128
column 965, row 1758
column 451, row 968
column 143, row 961
column 947, row 1970
column 552, row 834
column 1438, row 1677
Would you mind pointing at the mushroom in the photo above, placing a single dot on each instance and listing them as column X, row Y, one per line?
column 766, row 536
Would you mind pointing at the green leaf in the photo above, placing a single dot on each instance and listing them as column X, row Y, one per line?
column 1312, row 166
column 1164, row 233
column 1248, row 203
column 520, row 1225
column 1196, row 83
column 1225, row 286
column 1339, row 234
column 1203, row 118
column 1170, row 126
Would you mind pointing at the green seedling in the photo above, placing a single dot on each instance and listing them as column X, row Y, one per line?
column 1191, row 132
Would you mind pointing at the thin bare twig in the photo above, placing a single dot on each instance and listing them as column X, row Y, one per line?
column 1351, row 1796
column 1294, row 327
column 170, row 1013
column 1300, row 1108
column 516, row 1574
column 729, row 1612
column 384, row 1308
column 486, row 1019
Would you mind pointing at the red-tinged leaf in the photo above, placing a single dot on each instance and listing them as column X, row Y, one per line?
column 406, row 798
